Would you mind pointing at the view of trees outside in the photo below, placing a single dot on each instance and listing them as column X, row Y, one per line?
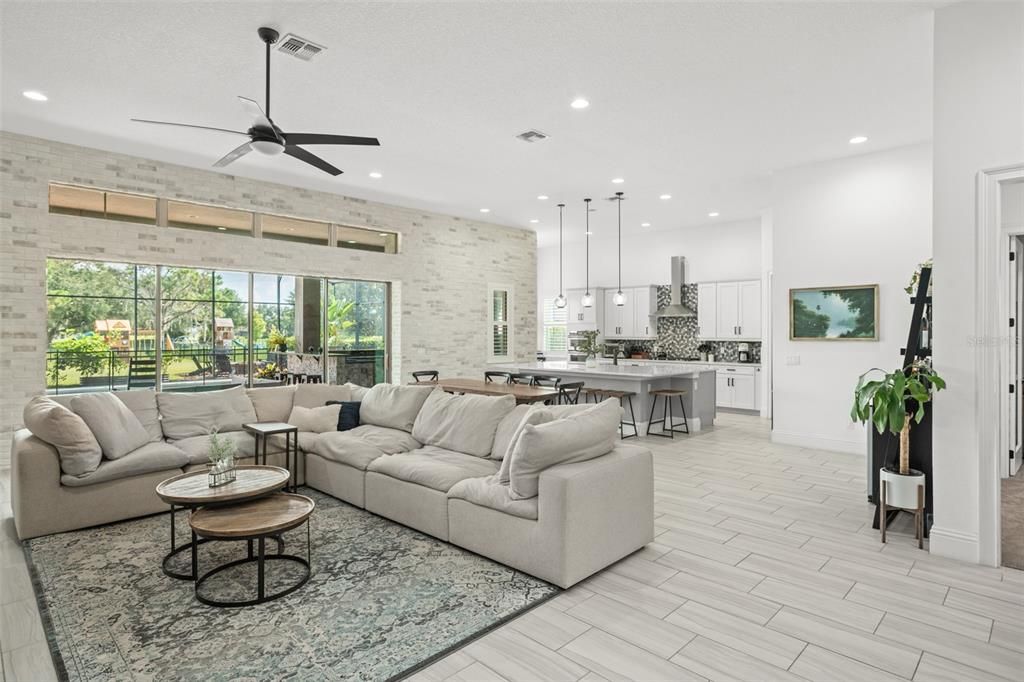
column 102, row 315
column 356, row 328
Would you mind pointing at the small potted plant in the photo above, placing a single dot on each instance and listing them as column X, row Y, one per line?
column 890, row 402
column 222, row 460
column 589, row 346
column 277, row 340
column 704, row 349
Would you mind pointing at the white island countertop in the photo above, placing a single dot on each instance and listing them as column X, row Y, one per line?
column 625, row 371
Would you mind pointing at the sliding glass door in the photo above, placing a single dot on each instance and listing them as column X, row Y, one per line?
column 358, row 315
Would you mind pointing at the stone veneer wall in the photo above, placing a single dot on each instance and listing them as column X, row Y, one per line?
column 440, row 278
column 677, row 336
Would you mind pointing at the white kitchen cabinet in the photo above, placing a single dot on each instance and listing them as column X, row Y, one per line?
column 645, row 305
column 581, row 318
column 618, row 319
column 729, row 311
column 736, row 387
column 634, row 319
column 707, row 309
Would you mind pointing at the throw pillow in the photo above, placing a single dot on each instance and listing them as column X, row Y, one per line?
column 534, row 416
column 198, row 414
column 393, row 405
column 576, row 438
column 358, row 392
column 55, row 424
column 315, row 419
column 463, row 423
column 507, row 429
column 315, row 395
column 348, row 417
column 117, row 429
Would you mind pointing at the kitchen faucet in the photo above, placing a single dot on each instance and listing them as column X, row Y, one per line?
column 615, row 355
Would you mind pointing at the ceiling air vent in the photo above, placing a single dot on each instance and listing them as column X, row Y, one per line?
column 532, row 136
column 300, row 47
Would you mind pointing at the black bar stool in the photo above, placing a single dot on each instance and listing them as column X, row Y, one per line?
column 667, row 421
column 600, row 394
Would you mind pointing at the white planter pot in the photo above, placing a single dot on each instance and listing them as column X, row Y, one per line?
column 901, row 491
column 591, row 361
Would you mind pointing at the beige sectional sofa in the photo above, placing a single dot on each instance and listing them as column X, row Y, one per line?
column 444, row 465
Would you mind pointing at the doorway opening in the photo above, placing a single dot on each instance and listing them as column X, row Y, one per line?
column 1011, row 488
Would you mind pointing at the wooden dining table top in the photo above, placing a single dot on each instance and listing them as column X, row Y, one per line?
column 523, row 393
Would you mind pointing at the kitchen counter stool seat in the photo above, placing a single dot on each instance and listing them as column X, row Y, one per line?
column 667, row 421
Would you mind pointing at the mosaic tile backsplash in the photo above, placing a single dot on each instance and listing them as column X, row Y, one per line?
column 677, row 336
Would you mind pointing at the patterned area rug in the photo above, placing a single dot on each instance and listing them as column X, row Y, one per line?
column 382, row 601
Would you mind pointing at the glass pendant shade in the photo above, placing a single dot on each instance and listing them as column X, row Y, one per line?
column 587, row 300
column 560, row 301
column 619, row 298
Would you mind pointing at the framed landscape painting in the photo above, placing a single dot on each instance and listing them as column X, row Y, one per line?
column 834, row 313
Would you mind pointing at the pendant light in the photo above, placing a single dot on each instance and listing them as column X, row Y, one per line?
column 619, row 298
column 560, row 299
column 588, row 299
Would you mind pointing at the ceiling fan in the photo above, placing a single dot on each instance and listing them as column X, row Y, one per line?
column 266, row 138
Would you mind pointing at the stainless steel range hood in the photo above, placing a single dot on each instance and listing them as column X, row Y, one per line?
column 676, row 308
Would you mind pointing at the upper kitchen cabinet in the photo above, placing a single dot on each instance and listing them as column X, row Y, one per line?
column 633, row 320
column 581, row 318
column 729, row 310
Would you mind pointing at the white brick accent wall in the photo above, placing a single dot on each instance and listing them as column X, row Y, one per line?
column 439, row 279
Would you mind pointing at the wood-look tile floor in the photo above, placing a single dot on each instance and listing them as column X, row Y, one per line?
column 764, row 567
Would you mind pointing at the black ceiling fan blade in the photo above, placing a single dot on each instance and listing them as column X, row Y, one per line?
column 316, row 138
column 233, row 155
column 189, row 125
column 255, row 112
column 312, row 159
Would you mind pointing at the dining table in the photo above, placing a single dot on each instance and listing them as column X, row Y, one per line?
column 523, row 393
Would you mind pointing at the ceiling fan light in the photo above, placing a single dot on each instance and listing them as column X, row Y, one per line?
column 268, row 147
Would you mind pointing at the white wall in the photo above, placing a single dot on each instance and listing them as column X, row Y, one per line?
column 719, row 251
column 859, row 220
column 979, row 124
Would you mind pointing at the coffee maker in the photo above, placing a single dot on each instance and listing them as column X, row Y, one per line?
column 743, row 349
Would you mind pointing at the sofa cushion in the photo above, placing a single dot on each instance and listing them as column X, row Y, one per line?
column 535, row 416
column 117, row 429
column 507, row 428
column 358, row 392
column 576, row 438
column 198, row 447
column 343, row 447
column 433, row 467
column 348, row 416
column 273, row 403
column 317, row 395
column 306, row 439
column 463, row 423
column 487, row 492
column 393, row 405
column 142, row 403
column 388, row 440
column 315, row 419
column 55, row 424
column 198, row 414
column 158, row 456
column 563, row 411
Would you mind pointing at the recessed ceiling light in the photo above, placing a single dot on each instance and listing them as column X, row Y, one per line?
column 223, row 229
column 291, row 229
column 485, row 210
column 534, row 221
column 713, row 214
column 589, row 232
column 645, row 224
column 542, row 197
column 665, row 196
column 35, row 95
column 350, row 241
column 376, row 175
column 579, row 103
column 618, row 181
column 860, row 139
column 383, row 234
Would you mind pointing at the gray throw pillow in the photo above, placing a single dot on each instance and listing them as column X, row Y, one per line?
column 55, row 424
column 117, row 429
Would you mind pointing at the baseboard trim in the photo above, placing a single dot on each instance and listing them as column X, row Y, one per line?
column 953, row 544
column 820, row 442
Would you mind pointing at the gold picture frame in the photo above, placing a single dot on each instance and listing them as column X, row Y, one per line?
column 834, row 313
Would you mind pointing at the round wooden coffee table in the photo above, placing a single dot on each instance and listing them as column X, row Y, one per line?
column 192, row 490
column 257, row 520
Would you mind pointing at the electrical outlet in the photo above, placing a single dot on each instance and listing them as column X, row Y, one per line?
column 793, row 360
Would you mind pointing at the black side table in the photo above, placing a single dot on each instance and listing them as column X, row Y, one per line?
column 262, row 431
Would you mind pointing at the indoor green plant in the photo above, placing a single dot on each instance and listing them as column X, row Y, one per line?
column 222, row 459
column 589, row 346
column 890, row 401
column 277, row 340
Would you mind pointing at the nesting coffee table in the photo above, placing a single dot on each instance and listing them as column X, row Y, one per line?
column 192, row 490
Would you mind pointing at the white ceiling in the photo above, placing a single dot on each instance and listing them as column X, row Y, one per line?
column 699, row 100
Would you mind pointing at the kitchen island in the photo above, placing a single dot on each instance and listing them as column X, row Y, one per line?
column 697, row 381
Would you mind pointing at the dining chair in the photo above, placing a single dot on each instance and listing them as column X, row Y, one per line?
column 425, row 376
column 569, row 394
column 505, row 377
column 526, row 379
column 544, row 380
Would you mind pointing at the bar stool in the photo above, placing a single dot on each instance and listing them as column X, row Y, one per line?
column 667, row 421
column 600, row 394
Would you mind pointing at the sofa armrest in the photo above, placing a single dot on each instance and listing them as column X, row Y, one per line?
column 602, row 507
column 35, row 473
